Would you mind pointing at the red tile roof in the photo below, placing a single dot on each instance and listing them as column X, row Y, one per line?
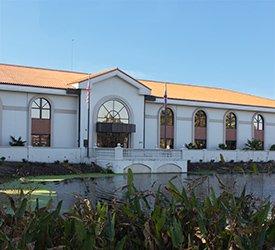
column 206, row 94
column 51, row 78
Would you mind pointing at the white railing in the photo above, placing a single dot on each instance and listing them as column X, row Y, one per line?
column 120, row 153
column 171, row 154
column 103, row 153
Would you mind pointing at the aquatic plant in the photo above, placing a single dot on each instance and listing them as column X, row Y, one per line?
column 170, row 219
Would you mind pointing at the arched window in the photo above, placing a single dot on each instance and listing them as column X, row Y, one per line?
column 258, row 127
column 40, row 123
column 167, row 128
column 231, row 130
column 200, row 124
column 113, row 111
column 113, row 125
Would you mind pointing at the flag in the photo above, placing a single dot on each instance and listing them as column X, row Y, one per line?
column 165, row 116
column 88, row 91
column 165, row 97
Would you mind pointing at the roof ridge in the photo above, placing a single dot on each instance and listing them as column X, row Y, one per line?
column 93, row 75
column 209, row 87
column 43, row 68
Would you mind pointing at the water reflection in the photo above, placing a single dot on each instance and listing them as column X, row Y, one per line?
column 262, row 185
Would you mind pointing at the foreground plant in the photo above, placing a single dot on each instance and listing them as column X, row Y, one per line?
column 170, row 219
column 254, row 144
column 19, row 142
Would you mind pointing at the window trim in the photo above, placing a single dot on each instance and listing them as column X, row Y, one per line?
column 103, row 106
column 263, row 130
column 236, row 127
column 29, row 142
column 173, row 125
column 194, row 127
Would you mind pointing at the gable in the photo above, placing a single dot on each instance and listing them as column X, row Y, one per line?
column 114, row 74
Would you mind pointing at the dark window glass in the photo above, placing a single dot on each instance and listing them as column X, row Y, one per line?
column 41, row 140
column 200, row 119
column 231, row 121
column 113, row 111
column 110, row 140
column 167, row 117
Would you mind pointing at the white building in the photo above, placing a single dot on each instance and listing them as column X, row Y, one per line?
column 49, row 110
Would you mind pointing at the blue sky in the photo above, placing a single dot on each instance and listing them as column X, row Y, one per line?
column 228, row 44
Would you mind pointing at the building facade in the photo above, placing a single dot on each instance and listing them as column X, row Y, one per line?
column 71, row 110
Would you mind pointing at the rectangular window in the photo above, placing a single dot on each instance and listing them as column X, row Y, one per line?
column 40, row 140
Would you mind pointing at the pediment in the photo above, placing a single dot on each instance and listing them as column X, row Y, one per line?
column 143, row 90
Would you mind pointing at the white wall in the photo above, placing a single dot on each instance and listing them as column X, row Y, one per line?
column 48, row 155
column 105, row 90
column 15, row 117
column 151, row 125
column 184, row 132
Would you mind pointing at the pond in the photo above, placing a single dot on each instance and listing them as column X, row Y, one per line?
column 260, row 185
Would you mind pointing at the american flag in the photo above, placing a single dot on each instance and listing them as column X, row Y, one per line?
column 165, row 97
column 88, row 91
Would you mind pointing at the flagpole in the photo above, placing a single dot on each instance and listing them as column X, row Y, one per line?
column 165, row 117
column 88, row 119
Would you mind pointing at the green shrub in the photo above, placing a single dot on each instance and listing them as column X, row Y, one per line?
column 17, row 142
column 272, row 148
column 254, row 144
column 174, row 219
column 191, row 145
column 223, row 146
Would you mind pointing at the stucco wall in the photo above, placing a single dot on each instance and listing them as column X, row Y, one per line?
column 15, row 117
column 105, row 90
column 184, row 131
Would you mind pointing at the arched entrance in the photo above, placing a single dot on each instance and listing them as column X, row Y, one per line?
column 113, row 125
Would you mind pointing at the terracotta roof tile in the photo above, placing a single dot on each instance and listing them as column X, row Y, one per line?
column 38, row 77
column 206, row 94
column 50, row 78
